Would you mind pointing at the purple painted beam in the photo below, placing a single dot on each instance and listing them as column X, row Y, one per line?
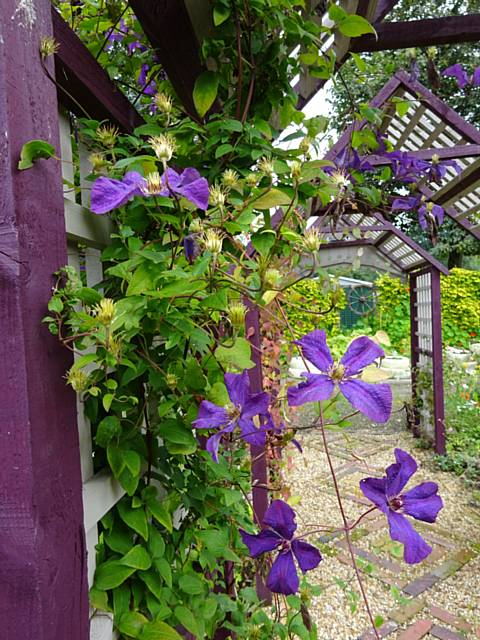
column 168, row 27
column 260, row 492
column 79, row 75
column 420, row 33
column 437, row 364
column 43, row 588
column 447, row 153
column 384, row 7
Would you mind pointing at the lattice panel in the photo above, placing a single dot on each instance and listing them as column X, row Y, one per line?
column 86, row 235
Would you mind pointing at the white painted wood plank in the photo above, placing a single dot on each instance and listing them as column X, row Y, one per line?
column 84, row 226
column 100, row 494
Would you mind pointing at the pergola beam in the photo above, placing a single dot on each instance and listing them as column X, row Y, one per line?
column 448, row 153
column 82, row 81
column 420, row 33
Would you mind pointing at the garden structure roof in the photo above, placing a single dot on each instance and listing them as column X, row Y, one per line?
column 430, row 127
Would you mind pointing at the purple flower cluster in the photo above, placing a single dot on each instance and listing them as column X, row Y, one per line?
column 243, row 408
column 108, row 194
column 373, row 400
column 461, row 76
column 422, row 503
column 429, row 214
column 278, row 533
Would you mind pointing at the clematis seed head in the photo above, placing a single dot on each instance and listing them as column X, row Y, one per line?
column 236, row 314
column 230, row 178
column 266, row 167
column 217, row 195
column 212, row 241
column 114, row 347
column 272, row 277
column 252, row 180
column 435, row 158
column 432, row 52
column 105, row 311
column 77, row 379
column 98, row 162
column 153, row 184
column 296, row 169
column 107, row 135
column 172, row 380
column 163, row 145
column 164, row 103
column 48, row 47
column 305, row 145
column 312, row 240
column 196, row 226
column 340, row 179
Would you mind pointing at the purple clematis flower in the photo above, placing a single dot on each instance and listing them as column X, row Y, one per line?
column 191, row 247
column 406, row 167
column 438, row 169
column 430, row 214
column 149, row 87
column 373, row 400
column 407, row 203
column 108, row 194
column 280, row 526
column 421, row 502
column 461, row 76
column 188, row 184
column 245, row 406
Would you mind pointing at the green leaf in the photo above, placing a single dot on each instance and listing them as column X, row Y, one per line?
column 156, row 544
column 354, row 26
column 153, row 582
column 98, row 599
column 158, row 630
column 111, row 574
column 221, row 13
column 89, row 296
column 34, row 150
column 187, row 619
column 115, row 460
column 82, row 361
column 108, row 429
column 137, row 558
column 263, row 241
column 131, row 623
column 132, row 460
column 238, row 355
column 107, row 401
column 401, row 106
column 55, row 305
column 160, row 514
column 164, row 569
column 136, row 519
column 223, row 149
column 191, row 584
column 128, row 481
column 179, row 439
column 271, row 198
column 205, row 92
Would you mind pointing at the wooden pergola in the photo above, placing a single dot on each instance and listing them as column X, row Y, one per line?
column 43, row 586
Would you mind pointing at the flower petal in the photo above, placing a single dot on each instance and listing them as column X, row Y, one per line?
column 422, row 217
column 317, row 387
column 194, row 188
column 476, row 78
column 283, row 575
column 374, row 490
column 108, row 194
column 360, row 353
column 422, row 502
column 373, row 400
column 255, row 404
column 281, row 517
column 458, row 72
column 210, row 416
column 212, row 445
column 308, row 556
column 250, row 433
column 314, row 348
column 415, row 549
column 238, row 387
column 266, row 540
column 400, row 473
column 171, row 181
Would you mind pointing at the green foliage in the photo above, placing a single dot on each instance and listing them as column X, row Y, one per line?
column 392, row 313
column 34, row 150
column 461, row 307
column 313, row 304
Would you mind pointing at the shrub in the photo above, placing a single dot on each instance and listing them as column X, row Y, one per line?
column 314, row 296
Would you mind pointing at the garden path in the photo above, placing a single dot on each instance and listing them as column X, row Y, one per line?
column 439, row 598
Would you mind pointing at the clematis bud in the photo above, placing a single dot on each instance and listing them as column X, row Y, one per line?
column 236, row 314
column 272, row 277
column 77, row 379
column 217, row 196
column 431, row 52
column 196, row 226
column 311, row 240
column 252, row 180
column 212, row 241
column 172, row 380
column 435, row 158
column 107, row 135
column 114, row 347
column 153, row 184
column 163, row 145
column 340, row 179
column 164, row 103
column 105, row 311
column 98, row 162
column 230, row 179
column 305, row 145
column 266, row 167
column 48, row 46
column 296, row 169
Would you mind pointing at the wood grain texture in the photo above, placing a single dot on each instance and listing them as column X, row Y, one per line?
column 43, row 591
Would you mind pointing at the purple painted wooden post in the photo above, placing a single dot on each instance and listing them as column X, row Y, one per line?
column 414, row 350
column 43, row 590
column 437, row 364
column 258, row 454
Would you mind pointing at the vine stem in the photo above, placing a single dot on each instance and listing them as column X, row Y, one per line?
column 346, row 527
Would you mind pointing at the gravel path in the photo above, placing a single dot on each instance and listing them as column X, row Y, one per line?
column 430, row 600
